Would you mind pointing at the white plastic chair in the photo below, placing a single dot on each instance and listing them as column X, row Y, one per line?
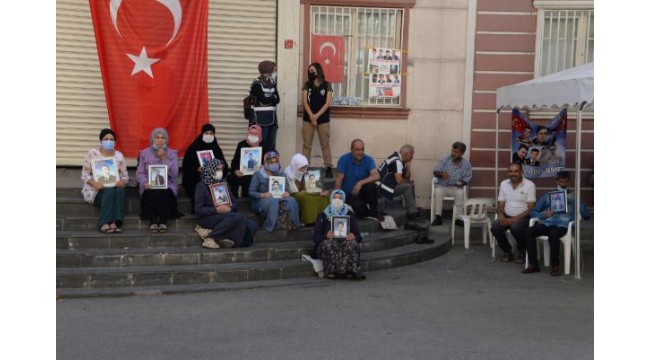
column 567, row 243
column 474, row 212
column 434, row 181
column 493, row 240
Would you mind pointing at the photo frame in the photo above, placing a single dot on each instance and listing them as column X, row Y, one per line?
column 204, row 156
column 314, row 180
column 105, row 171
column 558, row 201
column 220, row 194
column 250, row 160
column 340, row 226
column 276, row 186
column 157, row 176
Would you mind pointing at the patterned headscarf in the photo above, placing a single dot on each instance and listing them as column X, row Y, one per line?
column 267, row 161
column 155, row 132
column 207, row 176
column 254, row 130
column 331, row 212
column 297, row 161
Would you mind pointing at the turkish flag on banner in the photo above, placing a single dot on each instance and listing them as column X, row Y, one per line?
column 153, row 57
column 328, row 50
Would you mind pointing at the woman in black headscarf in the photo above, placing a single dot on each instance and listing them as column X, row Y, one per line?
column 192, row 169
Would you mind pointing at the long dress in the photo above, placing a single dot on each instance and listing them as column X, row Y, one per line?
column 191, row 176
column 269, row 208
column 338, row 256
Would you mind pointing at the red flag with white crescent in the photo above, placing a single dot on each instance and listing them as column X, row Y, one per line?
column 153, row 58
column 328, row 50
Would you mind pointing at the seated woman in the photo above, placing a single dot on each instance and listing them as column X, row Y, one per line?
column 279, row 213
column 237, row 179
column 191, row 166
column 109, row 200
column 229, row 228
column 340, row 257
column 310, row 204
column 158, row 205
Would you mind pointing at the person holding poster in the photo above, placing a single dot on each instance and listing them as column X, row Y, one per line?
column 237, row 179
column 316, row 99
column 310, row 204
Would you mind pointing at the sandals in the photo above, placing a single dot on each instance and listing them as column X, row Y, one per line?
column 115, row 228
column 153, row 228
column 106, row 229
column 210, row 244
column 162, row 228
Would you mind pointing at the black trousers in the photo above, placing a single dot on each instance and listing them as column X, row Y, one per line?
column 364, row 204
column 554, row 234
column 518, row 231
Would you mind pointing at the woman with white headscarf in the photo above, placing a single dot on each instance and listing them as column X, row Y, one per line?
column 310, row 204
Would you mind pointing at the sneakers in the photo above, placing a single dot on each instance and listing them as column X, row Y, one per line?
column 210, row 244
column 328, row 172
column 226, row 243
column 520, row 259
column 437, row 221
column 508, row 257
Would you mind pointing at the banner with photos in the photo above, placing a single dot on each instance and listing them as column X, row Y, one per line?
column 384, row 73
column 540, row 148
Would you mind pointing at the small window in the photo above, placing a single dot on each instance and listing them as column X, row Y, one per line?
column 567, row 41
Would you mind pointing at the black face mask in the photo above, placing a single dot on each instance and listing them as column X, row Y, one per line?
column 312, row 76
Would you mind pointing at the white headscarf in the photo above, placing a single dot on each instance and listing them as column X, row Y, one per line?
column 291, row 171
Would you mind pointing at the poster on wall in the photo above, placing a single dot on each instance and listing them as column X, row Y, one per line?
column 539, row 148
column 384, row 73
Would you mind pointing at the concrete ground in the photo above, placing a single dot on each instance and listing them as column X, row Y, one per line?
column 461, row 305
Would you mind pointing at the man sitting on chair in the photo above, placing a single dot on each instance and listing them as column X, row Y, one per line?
column 395, row 173
column 453, row 172
column 553, row 225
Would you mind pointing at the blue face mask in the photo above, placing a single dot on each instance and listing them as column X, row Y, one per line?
column 274, row 167
column 108, row 145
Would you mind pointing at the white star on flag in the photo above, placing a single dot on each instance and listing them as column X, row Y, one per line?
column 142, row 62
column 327, row 61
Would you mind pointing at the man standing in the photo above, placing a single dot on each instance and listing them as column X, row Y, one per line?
column 356, row 176
column 553, row 225
column 516, row 200
column 453, row 172
column 395, row 174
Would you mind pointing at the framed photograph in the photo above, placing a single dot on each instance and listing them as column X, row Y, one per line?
column 158, row 176
column 204, row 156
column 340, row 226
column 314, row 180
column 250, row 160
column 276, row 186
column 220, row 194
column 105, row 171
column 558, row 200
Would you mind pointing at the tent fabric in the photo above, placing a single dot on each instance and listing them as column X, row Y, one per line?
column 569, row 87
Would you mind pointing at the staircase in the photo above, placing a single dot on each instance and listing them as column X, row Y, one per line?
column 136, row 262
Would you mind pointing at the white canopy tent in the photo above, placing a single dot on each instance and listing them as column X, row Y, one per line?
column 572, row 88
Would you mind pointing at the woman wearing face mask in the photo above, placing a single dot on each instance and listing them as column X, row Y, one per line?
column 109, row 200
column 316, row 100
column 340, row 258
column 310, row 204
column 191, row 167
column 229, row 228
column 278, row 213
column 237, row 178
column 266, row 96
column 158, row 205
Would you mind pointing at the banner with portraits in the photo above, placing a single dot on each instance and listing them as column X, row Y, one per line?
column 384, row 73
column 540, row 148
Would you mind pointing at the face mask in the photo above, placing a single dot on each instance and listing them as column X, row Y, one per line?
column 274, row 76
column 108, row 145
column 300, row 173
column 274, row 167
column 253, row 139
column 218, row 174
column 312, row 76
column 337, row 204
column 208, row 138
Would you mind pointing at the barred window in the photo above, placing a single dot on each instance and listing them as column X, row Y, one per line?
column 567, row 41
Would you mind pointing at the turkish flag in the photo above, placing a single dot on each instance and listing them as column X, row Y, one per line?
column 329, row 50
column 153, row 57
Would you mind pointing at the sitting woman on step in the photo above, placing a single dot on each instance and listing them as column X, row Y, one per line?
column 279, row 213
column 109, row 200
column 229, row 228
column 340, row 256
column 310, row 204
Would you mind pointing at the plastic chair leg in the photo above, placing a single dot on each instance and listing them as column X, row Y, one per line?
column 466, row 226
column 567, row 257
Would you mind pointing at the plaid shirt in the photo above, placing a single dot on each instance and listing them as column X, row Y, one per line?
column 462, row 172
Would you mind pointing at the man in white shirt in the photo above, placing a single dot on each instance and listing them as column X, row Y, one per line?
column 514, row 204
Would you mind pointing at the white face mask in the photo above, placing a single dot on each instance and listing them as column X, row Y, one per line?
column 274, row 76
column 337, row 204
column 253, row 139
column 300, row 173
column 208, row 138
column 218, row 174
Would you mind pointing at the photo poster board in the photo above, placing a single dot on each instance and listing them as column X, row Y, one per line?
column 314, row 180
column 250, row 160
column 220, row 194
column 544, row 144
column 157, row 176
column 204, row 156
column 558, row 201
column 105, row 171
column 276, row 186
column 384, row 73
column 340, row 226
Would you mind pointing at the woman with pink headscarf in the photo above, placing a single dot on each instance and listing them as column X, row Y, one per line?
column 237, row 178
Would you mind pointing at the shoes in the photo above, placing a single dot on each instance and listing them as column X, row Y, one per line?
column 226, row 243
column 555, row 270
column 530, row 269
column 331, row 276
column 437, row 221
column 459, row 222
column 520, row 259
column 153, row 228
column 162, row 228
column 328, row 172
column 106, row 229
column 414, row 216
column 355, row 276
column 210, row 244
column 203, row 233
column 508, row 257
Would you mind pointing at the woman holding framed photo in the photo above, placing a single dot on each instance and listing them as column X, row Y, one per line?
column 109, row 200
column 237, row 178
column 158, row 205
column 310, row 204
column 340, row 256
column 229, row 228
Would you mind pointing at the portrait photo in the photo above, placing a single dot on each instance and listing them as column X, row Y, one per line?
column 204, row 156
column 340, row 226
column 558, row 201
column 220, row 195
column 313, row 180
column 276, row 186
column 105, row 171
column 251, row 160
column 158, row 176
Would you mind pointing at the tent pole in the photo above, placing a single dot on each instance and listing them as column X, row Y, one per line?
column 576, row 207
column 496, row 156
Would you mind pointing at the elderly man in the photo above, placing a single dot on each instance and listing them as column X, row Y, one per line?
column 356, row 176
column 395, row 173
column 453, row 172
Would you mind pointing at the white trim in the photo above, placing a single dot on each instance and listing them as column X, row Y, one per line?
column 563, row 4
column 469, row 73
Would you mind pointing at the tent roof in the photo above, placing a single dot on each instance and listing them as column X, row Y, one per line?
column 568, row 87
